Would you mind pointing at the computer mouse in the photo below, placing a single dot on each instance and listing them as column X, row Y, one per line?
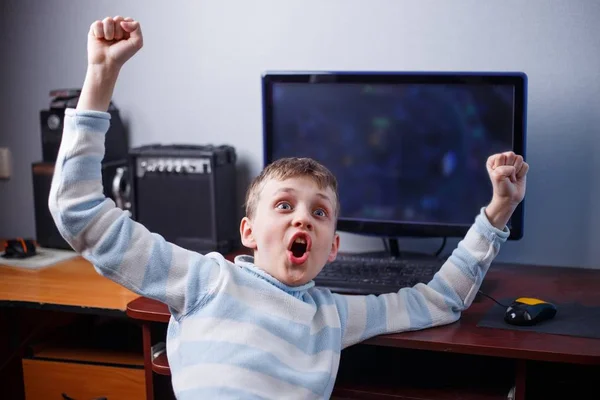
column 19, row 248
column 526, row 311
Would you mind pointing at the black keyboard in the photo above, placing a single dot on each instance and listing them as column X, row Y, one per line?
column 358, row 274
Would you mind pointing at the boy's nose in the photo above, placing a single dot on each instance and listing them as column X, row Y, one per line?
column 302, row 220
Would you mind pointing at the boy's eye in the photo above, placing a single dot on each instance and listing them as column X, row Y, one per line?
column 284, row 205
column 320, row 213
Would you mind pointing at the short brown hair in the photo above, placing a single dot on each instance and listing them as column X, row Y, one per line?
column 292, row 167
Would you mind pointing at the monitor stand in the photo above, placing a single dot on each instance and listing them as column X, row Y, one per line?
column 393, row 252
column 393, row 247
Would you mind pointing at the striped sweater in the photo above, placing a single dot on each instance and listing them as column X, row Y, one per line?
column 235, row 331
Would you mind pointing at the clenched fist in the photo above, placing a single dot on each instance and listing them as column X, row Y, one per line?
column 508, row 173
column 113, row 41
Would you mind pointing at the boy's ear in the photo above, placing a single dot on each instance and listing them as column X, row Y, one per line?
column 246, row 233
column 334, row 248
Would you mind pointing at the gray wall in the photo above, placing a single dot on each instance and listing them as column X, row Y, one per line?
column 198, row 80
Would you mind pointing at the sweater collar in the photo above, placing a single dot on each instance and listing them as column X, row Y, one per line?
column 247, row 262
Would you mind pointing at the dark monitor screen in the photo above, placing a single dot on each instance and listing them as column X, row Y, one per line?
column 408, row 149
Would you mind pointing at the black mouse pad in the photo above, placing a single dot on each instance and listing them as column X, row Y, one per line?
column 571, row 319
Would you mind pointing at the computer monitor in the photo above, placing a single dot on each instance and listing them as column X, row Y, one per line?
column 408, row 149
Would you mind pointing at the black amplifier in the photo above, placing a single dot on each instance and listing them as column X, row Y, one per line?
column 115, row 184
column 52, row 124
column 187, row 194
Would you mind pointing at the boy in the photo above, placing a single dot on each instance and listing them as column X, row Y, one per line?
column 256, row 328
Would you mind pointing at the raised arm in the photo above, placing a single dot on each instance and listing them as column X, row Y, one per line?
column 120, row 249
column 454, row 287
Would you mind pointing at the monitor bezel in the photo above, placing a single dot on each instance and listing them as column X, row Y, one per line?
column 403, row 228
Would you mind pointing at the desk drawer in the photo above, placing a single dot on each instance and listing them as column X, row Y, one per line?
column 48, row 380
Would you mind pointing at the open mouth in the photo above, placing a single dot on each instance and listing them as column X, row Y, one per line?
column 299, row 245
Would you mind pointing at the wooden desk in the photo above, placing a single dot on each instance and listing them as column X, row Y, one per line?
column 72, row 285
column 464, row 337
column 35, row 303
column 512, row 281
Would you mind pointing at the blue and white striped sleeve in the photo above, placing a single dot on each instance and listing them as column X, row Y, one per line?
column 118, row 247
column 439, row 302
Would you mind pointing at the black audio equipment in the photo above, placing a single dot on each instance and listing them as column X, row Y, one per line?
column 187, row 194
column 115, row 184
column 51, row 121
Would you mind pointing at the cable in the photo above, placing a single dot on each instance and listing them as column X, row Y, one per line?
column 437, row 253
column 493, row 299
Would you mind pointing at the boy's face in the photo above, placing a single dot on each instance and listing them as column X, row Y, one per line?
column 292, row 231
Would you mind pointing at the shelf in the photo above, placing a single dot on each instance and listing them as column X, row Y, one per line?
column 414, row 393
column 92, row 340
column 373, row 372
